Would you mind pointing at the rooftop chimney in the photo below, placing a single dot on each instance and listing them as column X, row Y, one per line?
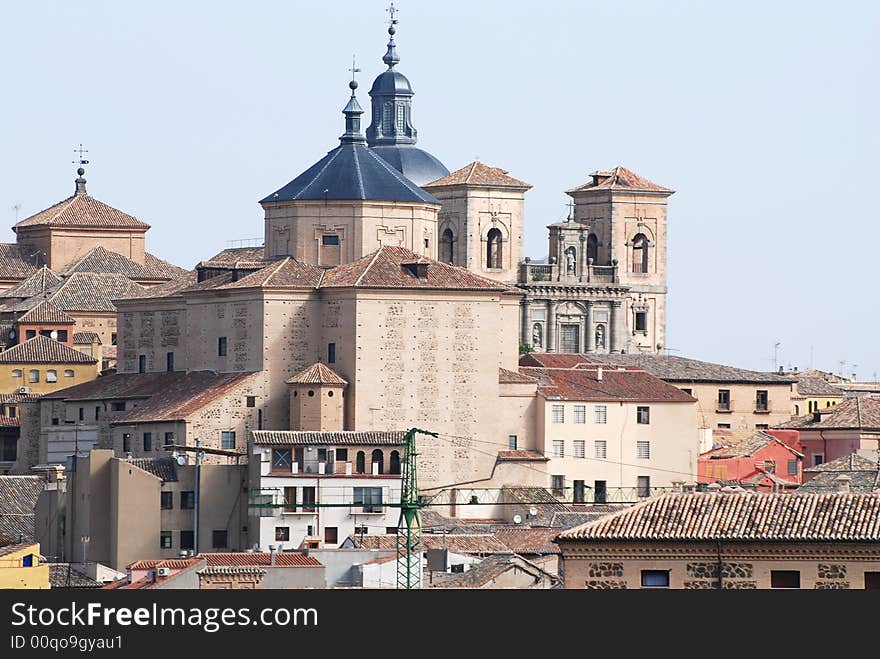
column 272, row 549
column 843, row 483
column 713, row 487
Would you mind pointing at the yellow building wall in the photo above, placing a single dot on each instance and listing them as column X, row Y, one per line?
column 809, row 404
column 10, row 384
column 14, row 575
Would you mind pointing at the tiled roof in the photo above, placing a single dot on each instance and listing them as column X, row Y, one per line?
column 862, row 468
column 529, row 541
column 286, row 273
column 103, row 261
column 490, row 568
column 18, row 498
column 512, row 377
column 317, row 374
column 479, row 175
column 815, row 386
column 860, row 413
column 182, row 396
column 229, row 569
column 329, row 437
column 84, row 292
column 248, row 559
column 172, row 563
column 616, row 385
column 43, row 350
column 238, row 258
column 36, row 284
column 526, row 455
column 165, row 469
column 757, row 516
column 62, row 575
column 11, row 549
column 169, row 288
column 863, row 460
column 81, row 210
column 458, row 543
column 46, row 313
column 665, row 367
column 18, row 398
column 18, row 262
column 85, row 338
column 397, row 267
column 619, row 178
column 10, row 421
column 745, row 446
column 566, row 519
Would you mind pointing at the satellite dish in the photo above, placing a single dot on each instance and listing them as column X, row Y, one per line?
column 533, row 511
column 181, row 460
column 54, row 334
column 517, row 519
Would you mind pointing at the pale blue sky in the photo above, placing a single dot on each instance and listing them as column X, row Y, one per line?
column 763, row 116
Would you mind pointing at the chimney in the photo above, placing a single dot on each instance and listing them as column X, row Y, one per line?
column 677, row 486
column 843, row 483
column 817, row 417
column 781, row 371
column 272, row 549
column 599, row 374
column 713, row 488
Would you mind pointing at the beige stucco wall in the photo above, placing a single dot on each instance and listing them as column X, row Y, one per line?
column 694, row 565
column 61, row 246
column 134, row 514
column 295, row 228
column 152, row 328
column 742, row 414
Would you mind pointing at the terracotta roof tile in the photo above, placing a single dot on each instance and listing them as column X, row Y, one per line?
column 512, row 377
column 459, row 543
column 862, row 412
column 616, row 385
column 477, row 174
column 329, row 437
column 36, row 284
column 81, row 210
column 263, row 559
column 522, row 455
column 231, row 569
column 17, row 262
column 317, row 374
column 529, row 541
column 84, row 292
column 103, row 261
column 63, row 575
column 85, row 338
column 815, row 386
column 43, row 350
column 46, row 313
column 169, row 288
column 172, row 563
column 741, row 516
column 741, row 447
column 18, row 499
column 286, row 273
column 619, row 178
column 165, row 468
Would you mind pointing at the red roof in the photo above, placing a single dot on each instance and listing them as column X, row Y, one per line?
column 477, row 174
column 583, row 384
column 250, row 559
column 617, row 179
column 81, row 210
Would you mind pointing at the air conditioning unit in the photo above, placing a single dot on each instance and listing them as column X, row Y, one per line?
column 24, row 390
column 163, row 571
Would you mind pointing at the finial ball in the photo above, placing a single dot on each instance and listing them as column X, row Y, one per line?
column 80, row 171
column 353, row 85
column 392, row 31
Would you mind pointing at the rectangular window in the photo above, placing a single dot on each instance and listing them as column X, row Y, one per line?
column 342, row 455
column 641, row 321
column 580, row 448
column 792, row 467
column 281, row 459
column 148, row 441
column 643, row 486
column 655, row 578
column 169, row 361
column 82, row 413
column 580, row 413
column 118, row 406
column 643, row 450
column 33, row 376
column 872, row 580
column 29, row 334
column 762, row 426
column 62, row 336
column 601, row 447
column 643, row 415
column 187, row 540
column 724, row 399
column 250, row 401
column 511, row 442
column 142, row 363
column 329, row 240
column 689, row 392
column 331, row 535
column 290, row 499
column 227, row 439
column 557, row 484
column 601, row 414
column 818, row 458
column 282, row 533
column 762, row 400
column 113, row 339
column 221, row 346
column 600, row 491
column 169, row 438
column 724, row 426
column 51, row 375
column 55, row 421
column 370, row 498
column 785, row 579
column 126, row 442
column 97, row 412
column 308, row 504
column 166, row 500
column 187, row 500
column 165, row 540
column 331, row 353
column 558, row 414
column 558, row 448
column 569, row 338
column 219, row 539
column 579, row 495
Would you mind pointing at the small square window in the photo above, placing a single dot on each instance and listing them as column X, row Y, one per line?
column 329, row 240
column 165, row 541
column 558, row 448
column 282, row 533
column 579, row 448
column 558, row 413
column 187, row 500
column 169, row 438
column 219, row 539
column 166, row 500
column 785, row 579
column 601, row 447
column 250, row 401
column 187, row 540
column 601, row 414
column 580, row 413
column 655, row 578
column 511, row 442
column 643, row 450
column 643, row 415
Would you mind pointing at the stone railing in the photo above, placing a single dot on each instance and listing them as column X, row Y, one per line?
column 550, row 272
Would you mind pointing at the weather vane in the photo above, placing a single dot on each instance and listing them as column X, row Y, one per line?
column 80, row 150
column 392, row 10
column 353, row 68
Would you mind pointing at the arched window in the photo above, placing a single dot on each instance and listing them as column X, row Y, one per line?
column 447, row 254
column 394, row 467
column 51, row 375
column 68, row 372
column 593, row 248
column 16, row 373
column 493, row 249
column 360, row 464
column 377, row 458
column 797, row 410
column 33, row 375
column 640, row 253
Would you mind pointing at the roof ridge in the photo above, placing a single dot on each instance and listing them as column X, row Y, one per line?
column 471, row 173
column 275, row 271
column 360, row 176
column 332, row 156
column 369, row 265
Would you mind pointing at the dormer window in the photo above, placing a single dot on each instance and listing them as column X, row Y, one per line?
column 417, row 270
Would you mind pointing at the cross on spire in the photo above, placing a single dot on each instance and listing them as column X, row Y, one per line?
column 570, row 210
column 353, row 68
column 392, row 10
column 80, row 150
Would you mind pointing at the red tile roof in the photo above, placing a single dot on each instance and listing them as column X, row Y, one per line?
column 103, row 261
column 522, row 455
column 17, row 262
column 43, row 350
column 317, row 374
column 860, row 413
column 397, row 267
column 81, row 210
column 619, row 178
column 477, row 174
column 529, row 541
column 172, row 563
column 286, row 273
column 583, row 384
column 37, row 283
column 512, row 377
column 253, row 559
column 46, row 313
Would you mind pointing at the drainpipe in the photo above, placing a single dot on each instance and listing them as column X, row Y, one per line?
column 196, row 496
column 720, row 578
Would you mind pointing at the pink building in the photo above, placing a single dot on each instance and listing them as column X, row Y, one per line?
column 757, row 458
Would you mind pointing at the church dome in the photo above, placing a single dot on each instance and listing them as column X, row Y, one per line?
column 414, row 163
column 391, row 82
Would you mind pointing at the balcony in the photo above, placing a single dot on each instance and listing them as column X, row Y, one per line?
column 534, row 273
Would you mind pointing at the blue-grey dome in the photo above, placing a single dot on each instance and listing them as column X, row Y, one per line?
column 417, row 165
column 391, row 82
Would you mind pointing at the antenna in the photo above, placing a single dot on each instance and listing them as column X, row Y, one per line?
column 16, row 208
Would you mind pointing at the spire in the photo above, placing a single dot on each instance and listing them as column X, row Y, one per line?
column 353, row 112
column 391, row 57
column 80, row 181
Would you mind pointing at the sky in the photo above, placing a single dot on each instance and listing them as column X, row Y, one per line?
column 761, row 115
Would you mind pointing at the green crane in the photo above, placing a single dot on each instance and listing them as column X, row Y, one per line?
column 409, row 528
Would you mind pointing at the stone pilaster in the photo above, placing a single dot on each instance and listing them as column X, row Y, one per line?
column 550, row 340
column 589, row 331
column 525, row 322
column 615, row 331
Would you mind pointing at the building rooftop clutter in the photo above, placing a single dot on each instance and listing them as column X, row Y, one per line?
column 491, row 568
column 816, row 386
column 45, row 312
column 739, row 444
column 741, row 516
column 862, row 469
column 665, row 367
column 329, row 437
column 259, row 559
column 602, row 384
column 619, row 178
column 43, row 350
column 860, row 413
column 476, row 174
column 18, row 498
